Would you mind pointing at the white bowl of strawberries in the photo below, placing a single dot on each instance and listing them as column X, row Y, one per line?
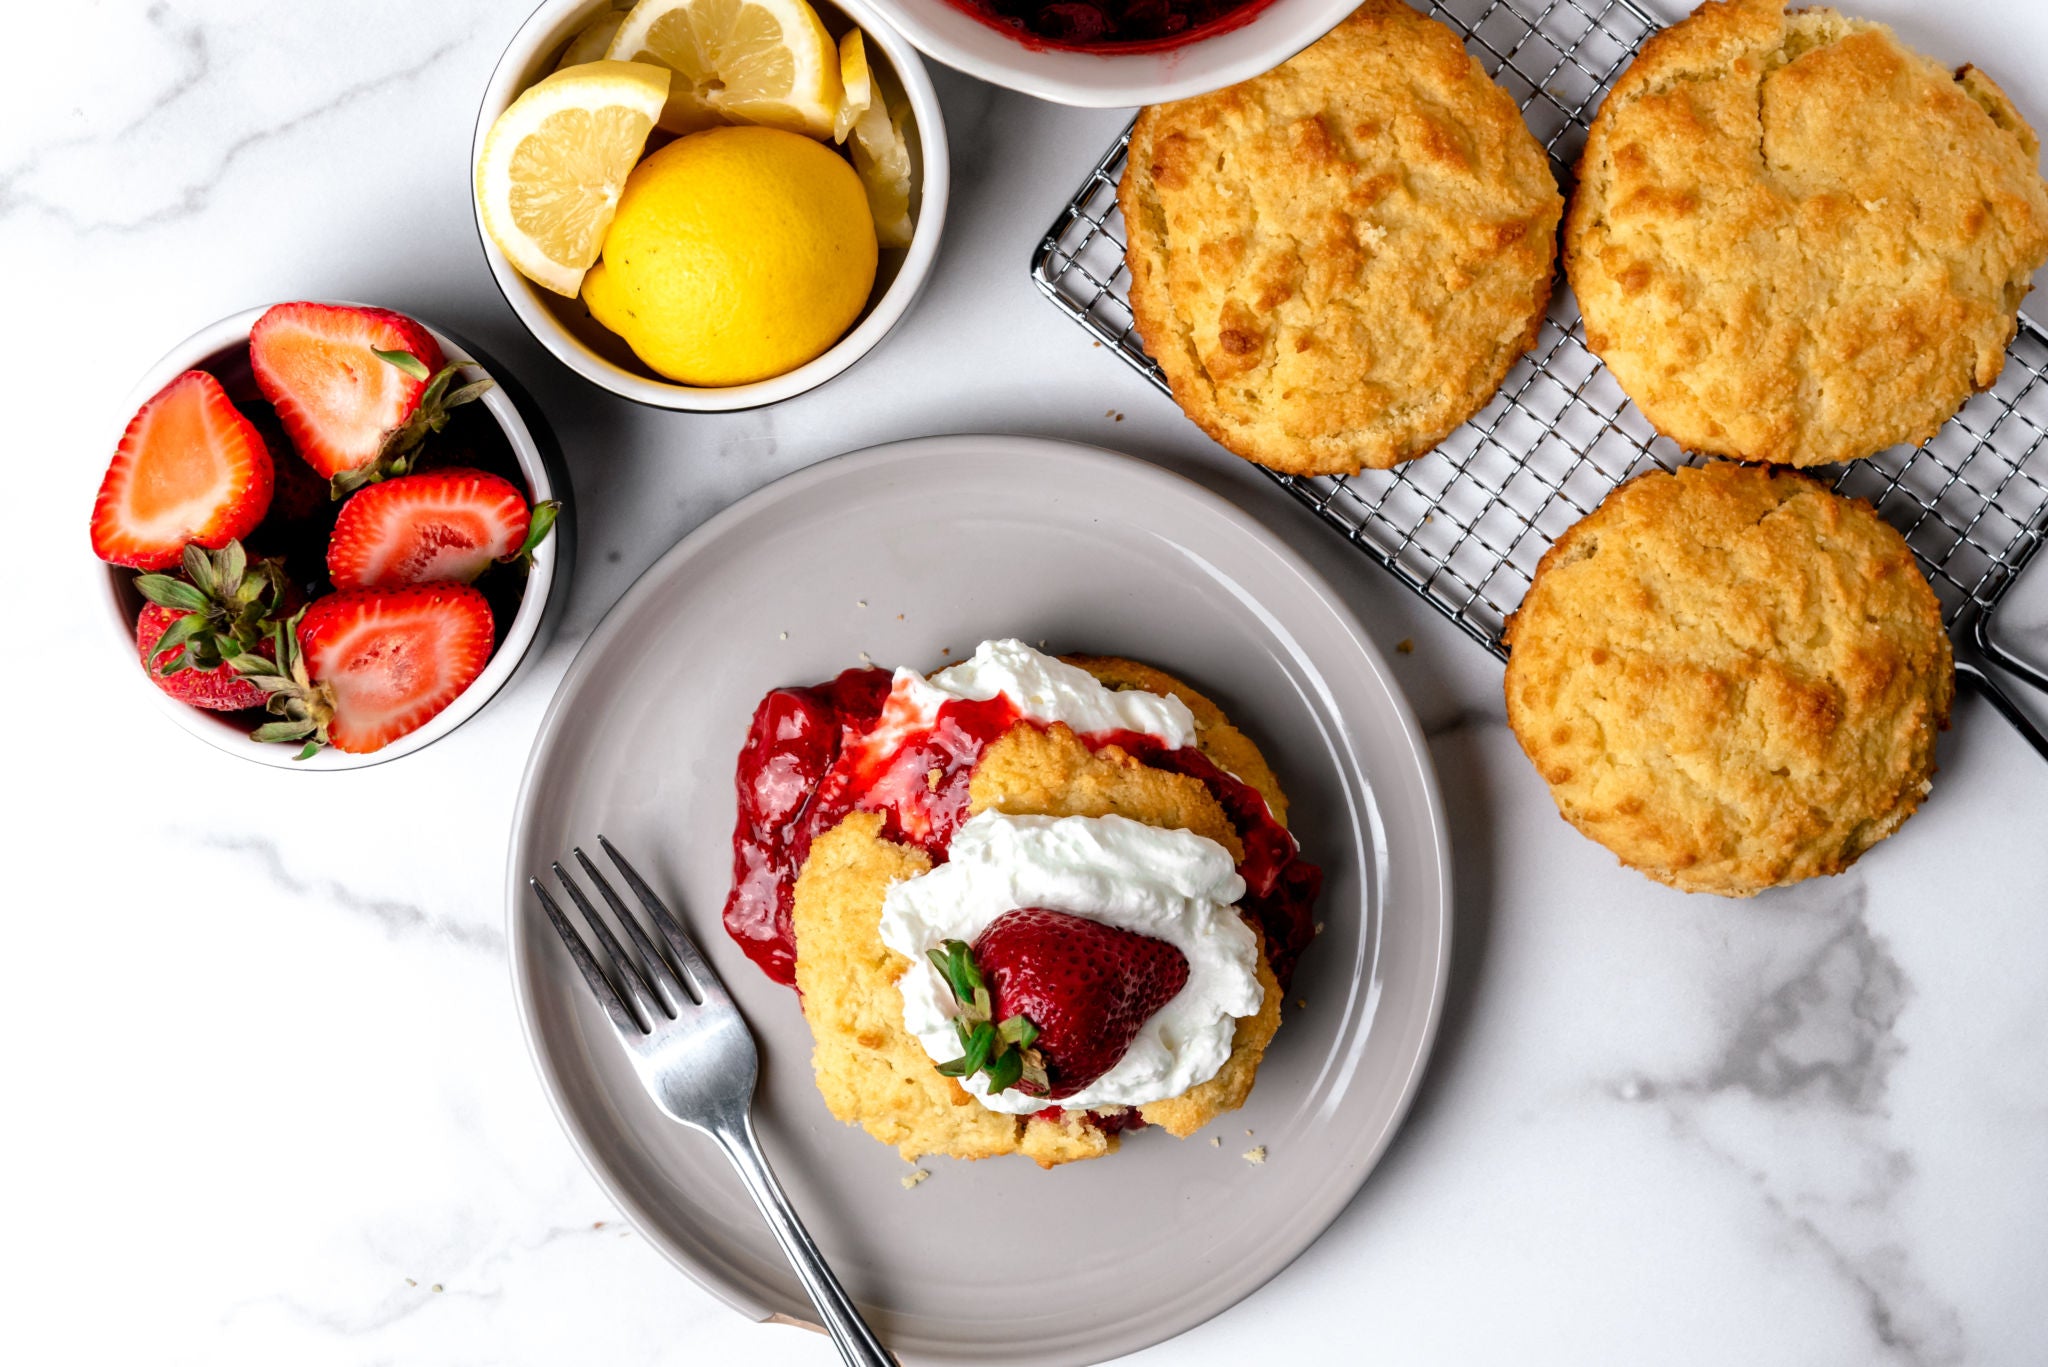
column 332, row 536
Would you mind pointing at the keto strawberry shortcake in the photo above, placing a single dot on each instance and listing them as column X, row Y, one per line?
column 1029, row 903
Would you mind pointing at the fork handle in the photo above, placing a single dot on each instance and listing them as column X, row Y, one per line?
column 857, row 1343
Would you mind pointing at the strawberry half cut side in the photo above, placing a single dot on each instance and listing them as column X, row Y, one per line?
column 440, row 526
column 357, row 389
column 1050, row 1001
column 358, row 670
column 190, row 469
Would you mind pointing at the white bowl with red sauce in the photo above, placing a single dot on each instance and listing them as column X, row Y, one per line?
column 1106, row 54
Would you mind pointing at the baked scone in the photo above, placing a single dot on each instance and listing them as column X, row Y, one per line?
column 1335, row 263
column 1731, row 677
column 1796, row 241
column 872, row 1071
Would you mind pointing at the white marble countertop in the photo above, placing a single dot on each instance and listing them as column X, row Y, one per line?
column 271, row 1104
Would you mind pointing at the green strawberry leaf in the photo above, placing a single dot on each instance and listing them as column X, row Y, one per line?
column 543, row 522
column 167, row 592
column 405, row 361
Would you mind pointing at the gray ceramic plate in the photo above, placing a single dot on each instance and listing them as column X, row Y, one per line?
column 903, row 552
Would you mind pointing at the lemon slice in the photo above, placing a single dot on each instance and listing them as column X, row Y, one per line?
column 593, row 42
column 855, row 80
column 554, row 163
column 737, row 61
column 881, row 151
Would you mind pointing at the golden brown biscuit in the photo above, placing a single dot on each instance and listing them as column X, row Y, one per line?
column 874, row 1073
column 1731, row 677
column 1796, row 241
column 1335, row 263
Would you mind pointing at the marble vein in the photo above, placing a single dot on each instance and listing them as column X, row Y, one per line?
column 193, row 197
column 395, row 917
column 1815, row 1050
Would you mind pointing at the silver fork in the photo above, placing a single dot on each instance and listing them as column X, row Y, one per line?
column 697, row 1060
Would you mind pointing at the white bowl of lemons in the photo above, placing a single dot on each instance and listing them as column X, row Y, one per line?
column 709, row 204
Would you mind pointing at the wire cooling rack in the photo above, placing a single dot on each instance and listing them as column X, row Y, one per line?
column 1465, row 525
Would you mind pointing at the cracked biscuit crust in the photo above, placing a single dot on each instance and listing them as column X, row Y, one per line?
column 1335, row 263
column 870, row 1070
column 1731, row 677
column 1796, row 241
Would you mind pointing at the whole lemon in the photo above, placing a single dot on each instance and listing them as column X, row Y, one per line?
column 736, row 254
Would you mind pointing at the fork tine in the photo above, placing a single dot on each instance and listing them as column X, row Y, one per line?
column 651, row 1010
column 593, row 976
column 696, row 971
column 675, row 995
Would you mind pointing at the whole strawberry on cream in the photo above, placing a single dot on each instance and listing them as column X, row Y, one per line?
column 1131, row 890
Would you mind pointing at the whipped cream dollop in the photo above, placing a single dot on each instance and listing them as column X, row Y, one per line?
column 1173, row 885
column 1039, row 686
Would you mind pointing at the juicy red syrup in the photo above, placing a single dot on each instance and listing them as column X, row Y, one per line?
column 1111, row 26
column 805, row 765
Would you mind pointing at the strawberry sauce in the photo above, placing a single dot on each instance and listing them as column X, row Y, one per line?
column 812, row 755
column 1111, row 25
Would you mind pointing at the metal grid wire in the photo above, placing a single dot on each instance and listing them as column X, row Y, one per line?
column 1465, row 525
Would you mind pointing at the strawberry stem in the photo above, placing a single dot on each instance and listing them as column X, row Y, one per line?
column 1003, row 1052
column 398, row 455
column 228, row 604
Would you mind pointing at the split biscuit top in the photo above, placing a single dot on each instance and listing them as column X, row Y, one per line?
column 1335, row 263
column 1796, row 241
column 1732, row 678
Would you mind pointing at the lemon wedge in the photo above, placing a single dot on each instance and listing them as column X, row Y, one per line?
column 555, row 162
column 766, row 62
column 881, row 151
column 857, row 83
column 593, row 41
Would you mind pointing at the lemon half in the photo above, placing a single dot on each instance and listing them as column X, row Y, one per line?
column 554, row 164
column 767, row 62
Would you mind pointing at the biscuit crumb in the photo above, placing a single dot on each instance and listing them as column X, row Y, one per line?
column 1319, row 927
column 1247, row 1134
column 899, row 616
column 860, row 602
column 1406, row 646
column 784, row 636
column 1215, row 1141
column 911, row 1179
column 1256, row 1156
column 866, row 658
column 410, row 1282
column 437, row 1286
column 1301, row 1003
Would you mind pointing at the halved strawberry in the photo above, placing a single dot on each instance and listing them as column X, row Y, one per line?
column 444, row 525
column 356, row 388
column 190, row 468
column 219, row 689
column 358, row 670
